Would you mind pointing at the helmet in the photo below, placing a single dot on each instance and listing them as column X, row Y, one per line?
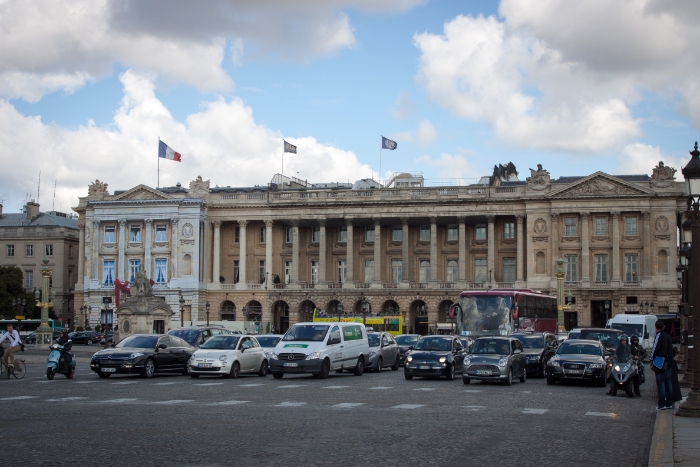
column 634, row 339
column 623, row 337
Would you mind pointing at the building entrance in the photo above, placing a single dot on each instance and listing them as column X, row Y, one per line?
column 598, row 316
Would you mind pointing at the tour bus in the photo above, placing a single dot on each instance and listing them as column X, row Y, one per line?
column 27, row 326
column 504, row 311
column 389, row 323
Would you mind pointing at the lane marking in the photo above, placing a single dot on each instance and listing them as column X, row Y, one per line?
column 290, row 386
column 174, row 401
column 208, row 384
column 168, row 384
column 46, row 381
column 526, row 392
column 335, row 387
column 474, row 408
column 473, row 390
column 408, row 406
column 66, row 399
column 18, row 398
column 119, row 401
column 600, row 414
column 250, row 385
column 291, row 404
column 86, row 382
column 126, row 382
column 229, row 403
column 382, row 387
column 424, row 389
column 347, row 405
column 535, row 411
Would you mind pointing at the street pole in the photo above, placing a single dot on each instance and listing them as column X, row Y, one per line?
column 207, row 308
column 561, row 306
column 182, row 311
column 44, row 300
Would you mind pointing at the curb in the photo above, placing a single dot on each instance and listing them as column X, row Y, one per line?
column 661, row 449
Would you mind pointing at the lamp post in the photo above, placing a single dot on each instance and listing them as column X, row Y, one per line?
column 339, row 307
column 19, row 304
column 182, row 311
column 207, row 308
column 682, row 270
column 44, row 300
column 365, row 309
column 691, row 173
column 561, row 306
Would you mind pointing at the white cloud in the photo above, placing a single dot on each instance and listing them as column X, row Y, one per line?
column 452, row 169
column 222, row 143
column 404, row 106
column 638, row 158
column 425, row 134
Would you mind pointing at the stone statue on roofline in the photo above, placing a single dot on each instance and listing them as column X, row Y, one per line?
column 539, row 179
column 662, row 176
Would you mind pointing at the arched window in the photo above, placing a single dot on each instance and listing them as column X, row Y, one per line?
column 228, row 311
column 539, row 263
column 662, row 262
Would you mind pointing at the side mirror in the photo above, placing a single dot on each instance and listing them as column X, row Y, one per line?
column 410, row 347
column 245, row 347
column 162, row 346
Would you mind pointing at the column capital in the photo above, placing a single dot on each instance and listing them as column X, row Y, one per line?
column 295, row 222
column 81, row 225
column 377, row 221
column 96, row 223
column 585, row 216
column 322, row 222
column 433, row 219
column 349, row 221
column 404, row 221
column 174, row 221
column 242, row 223
column 554, row 216
column 461, row 219
column 519, row 218
column 148, row 221
column 216, row 224
column 269, row 223
column 647, row 215
column 490, row 218
column 122, row 222
column 615, row 215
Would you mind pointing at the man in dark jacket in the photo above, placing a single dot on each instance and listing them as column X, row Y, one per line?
column 663, row 347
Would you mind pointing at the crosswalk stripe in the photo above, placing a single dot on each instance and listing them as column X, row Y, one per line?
column 126, row 382
column 229, row 402
column 174, row 401
column 86, row 382
column 18, row 398
column 290, row 404
column 473, row 390
column 408, row 406
column 290, row 386
column 335, row 387
column 424, row 389
column 250, row 385
column 167, row 384
column 600, row 414
column 209, row 384
column 535, row 411
column 348, row 405
column 119, row 401
column 66, row 399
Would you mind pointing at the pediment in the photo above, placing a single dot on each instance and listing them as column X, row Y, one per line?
column 141, row 192
column 600, row 185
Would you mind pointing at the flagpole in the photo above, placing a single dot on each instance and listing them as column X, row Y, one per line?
column 283, row 164
column 158, row 155
column 380, row 167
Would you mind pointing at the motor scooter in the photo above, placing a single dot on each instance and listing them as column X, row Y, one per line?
column 58, row 361
column 623, row 376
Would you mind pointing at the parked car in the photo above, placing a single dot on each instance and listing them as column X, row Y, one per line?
column 495, row 359
column 383, row 352
column 108, row 337
column 405, row 341
column 198, row 335
column 31, row 338
column 435, row 356
column 85, row 337
column 268, row 343
column 228, row 356
column 467, row 342
column 145, row 354
column 538, row 348
column 578, row 359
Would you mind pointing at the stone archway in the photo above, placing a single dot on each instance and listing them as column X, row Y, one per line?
column 443, row 310
column 227, row 311
column 418, row 322
column 332, row 308
column 306, row 311
column 389, row 308
column 280, row 317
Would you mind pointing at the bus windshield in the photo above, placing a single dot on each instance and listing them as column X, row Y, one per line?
column 485, row 315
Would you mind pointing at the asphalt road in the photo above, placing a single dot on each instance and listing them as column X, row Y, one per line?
column 375, row 419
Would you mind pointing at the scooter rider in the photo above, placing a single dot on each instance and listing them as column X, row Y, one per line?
column 622, row 355
column 65, row 341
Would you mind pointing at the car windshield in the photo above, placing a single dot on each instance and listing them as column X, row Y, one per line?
column 140, row 342
column 221, row 343
column 268, row 341
column 306, row 332
column 373, row 340
column 531, row 342
column 491, row 346
column 570, row 348
column 188, row 335
column 440, row 344
column 574, row 335
column 629, row 329
column 406, row 340
column 484, row 315
column 607, row 338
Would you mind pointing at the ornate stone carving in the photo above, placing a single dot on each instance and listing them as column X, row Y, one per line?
column 540, row 226
column 585, row 216
column 554, row 216
column 96, row 224
column 570, row 239
column 141, row 286
column 538, row 179
column 186, row 242
column 600, row 238
column 215, row 224
column 187, row 230
column 647, row 215
column 662, row 176
column 174, row 221
column 661, row 224
column 540, row 239
column 122, row 222
column 615, row 215
column 87, row 232
column 598, row 187
column 97, row 189
column 268, row 223
column 519, row 218
column 662, row 237
column 631, row 238
column 81, row 225
column 242, row 224
column 148, row 221
column 199, row 188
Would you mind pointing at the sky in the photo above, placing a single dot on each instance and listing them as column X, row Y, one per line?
column 88, row 87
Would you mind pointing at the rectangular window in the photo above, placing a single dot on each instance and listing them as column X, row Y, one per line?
column 263, row 232
column 632, row 267
column 134, row 267
column 342, row 271
column 135, row 234
column 423, row 271
column 236, row 271
column 10, row 250
column 314, row 272
column 70, row 251
column 452, row 232
column 480, row 273
column 261, row 271
column 396, row 233
column 109, row 234
column 108, row 272
column 236, row 235
column 369, row 270
column 48, row 250
column 631, row 225
column 424, row 233
column 601, row 267
column 161, row 272
column 601, row 226
column 287, row 272
column 28, row 279
column 508, row 269
column 369, row 233
column 571, row 267
column 396, row 270
column 288, row 234
column 343, row 234
column 29, row 251
column 452, row 271
column 316, row 234
column 509, row 230
column 569, row 226
column 161, row 232
column 480, row 232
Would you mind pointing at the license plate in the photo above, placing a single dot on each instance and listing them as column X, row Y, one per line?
column 204, row 365
column 574, row 372
column 423, row 367
column 108, row 370
column 483, row 372
column 291, row 364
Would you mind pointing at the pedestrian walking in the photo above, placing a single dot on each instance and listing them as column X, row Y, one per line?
column 662, row 363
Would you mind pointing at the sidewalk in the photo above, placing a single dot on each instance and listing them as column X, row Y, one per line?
column 675, row 442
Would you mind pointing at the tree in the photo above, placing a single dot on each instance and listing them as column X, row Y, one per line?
column 11, row 288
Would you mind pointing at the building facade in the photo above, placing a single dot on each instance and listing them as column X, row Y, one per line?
column 274, row 254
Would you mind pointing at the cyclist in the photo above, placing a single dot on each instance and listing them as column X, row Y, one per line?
column 15, row 344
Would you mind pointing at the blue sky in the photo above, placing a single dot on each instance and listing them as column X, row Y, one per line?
column 460, row 85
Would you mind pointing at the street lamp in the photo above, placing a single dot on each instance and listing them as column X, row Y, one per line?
column 339, row 307
column 207, row 308
column 19, row 304
column 691, row 173
column 365, row 309
column 606, row 304
column 182, row 311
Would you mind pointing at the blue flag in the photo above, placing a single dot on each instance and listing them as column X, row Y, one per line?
column 388, row 144
column 289, row 147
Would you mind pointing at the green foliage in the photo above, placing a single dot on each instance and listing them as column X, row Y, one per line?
column 88, row 328
column 97, row 328
column 12, row 287
column 79, row 328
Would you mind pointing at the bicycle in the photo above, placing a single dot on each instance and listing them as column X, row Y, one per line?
column 18, row 370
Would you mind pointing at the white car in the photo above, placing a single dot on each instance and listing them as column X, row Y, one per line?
column 228, row 355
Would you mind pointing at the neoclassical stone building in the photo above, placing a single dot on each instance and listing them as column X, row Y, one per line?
column 273, row 254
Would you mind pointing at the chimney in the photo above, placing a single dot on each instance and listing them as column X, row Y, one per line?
column 32, row 209
column 0, row 210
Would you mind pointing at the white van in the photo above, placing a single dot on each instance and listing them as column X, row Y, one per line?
column 319, row 348
column 641, row 325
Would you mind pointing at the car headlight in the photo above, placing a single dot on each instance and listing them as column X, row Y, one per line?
column 595, row 365
column 269, row 353
column 275, row 356
column 135, row 355
column 372, row 353
column 617, row 368
column 409, row 359
column 503, row 362
column 467, row 361
column 443, row 359
column 553, row 363
column 313, row 356
column 533, row 357
column 222, row 358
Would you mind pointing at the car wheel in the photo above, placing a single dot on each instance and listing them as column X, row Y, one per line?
column 263, row 368
column 278, row 375
column 49, row 373
column 235, row 370
column 380, row 363
column 523, row 378
column 149, row 369
column 408, row 377
column 325, row 369
column 395, row 366
column 466, row 380
column 550, row 381
column 104, row 375
column 451, row 373
column 509, row 381
column 359, row 368
column 89, row 342
column 195, row 376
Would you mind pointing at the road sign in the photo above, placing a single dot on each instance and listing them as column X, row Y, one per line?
column 19, row 317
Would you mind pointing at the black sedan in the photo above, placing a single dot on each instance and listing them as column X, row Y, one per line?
column 144, row 354
column 85, row 337
column 405, row 342
column 609, row 338
column 435, row 356
column 578, row 360
column 538, row 348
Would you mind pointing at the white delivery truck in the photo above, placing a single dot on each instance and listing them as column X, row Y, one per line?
column 641, row 325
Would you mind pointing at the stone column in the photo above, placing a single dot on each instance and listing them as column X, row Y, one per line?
column 96, row 250
column 242, row 281
column 491, row 260
column 462, row 249
column 615, row 245
column 520, row 259
column 377, row 250
column 405, row 277
column 174, row 248
column 433, row 250
column 295, row 251
column 555, row 244
column 322, row 276
column 646, row 265
column 121, row 272
column 268, row 252
column 216, row 256
column 147, row 247
column 349, row 251
column 81, row 253
column 585, row 248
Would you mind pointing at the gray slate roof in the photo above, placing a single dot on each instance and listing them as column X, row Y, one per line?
column 42, row 220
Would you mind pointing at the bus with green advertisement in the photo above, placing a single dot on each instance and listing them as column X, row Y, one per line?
column 393, row 324
column 26, row 326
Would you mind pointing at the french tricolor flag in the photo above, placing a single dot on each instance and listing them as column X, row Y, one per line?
column 166, row 152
